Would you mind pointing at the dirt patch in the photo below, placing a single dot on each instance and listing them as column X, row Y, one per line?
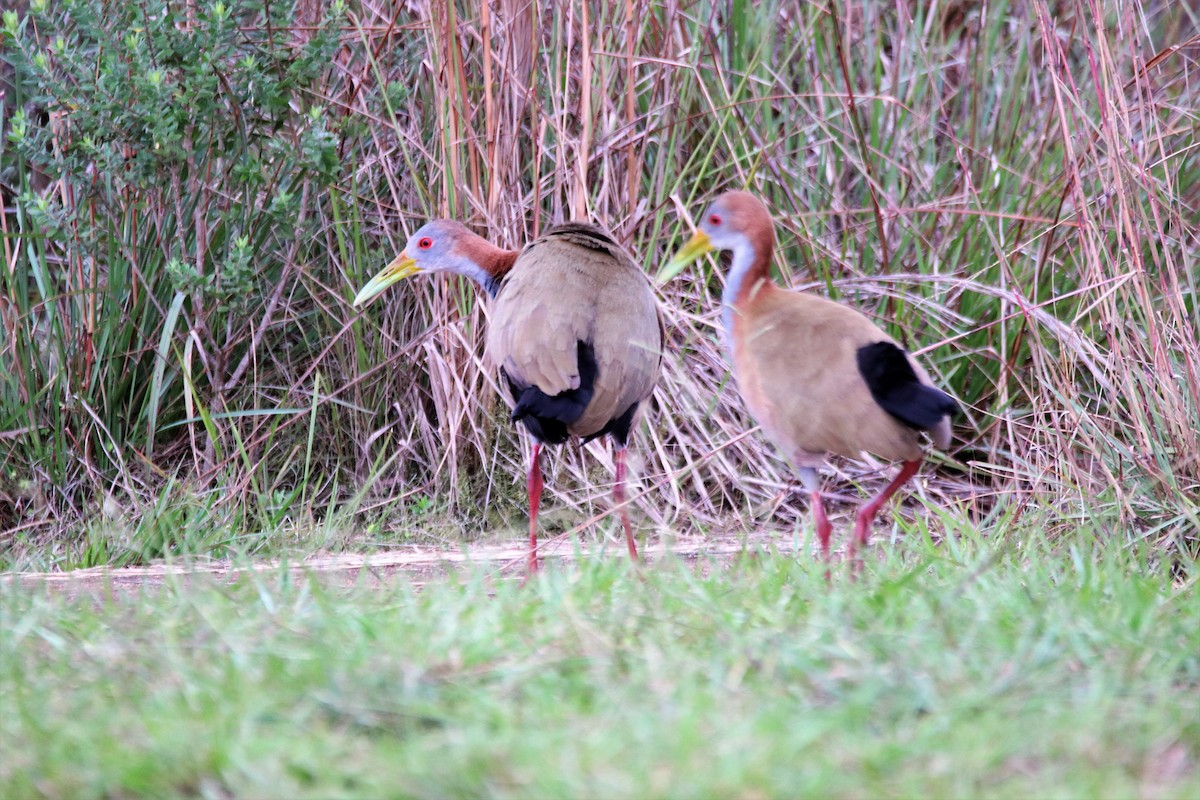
column 417, row 565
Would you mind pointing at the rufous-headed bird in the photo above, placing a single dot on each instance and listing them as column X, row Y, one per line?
column 818, row 376
column 575, row 332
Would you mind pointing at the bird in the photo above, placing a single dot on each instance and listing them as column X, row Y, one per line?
column 818, row 376
column 575, row 333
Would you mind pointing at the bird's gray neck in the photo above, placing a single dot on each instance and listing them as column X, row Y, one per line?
column 469, row 269
column 743, row 259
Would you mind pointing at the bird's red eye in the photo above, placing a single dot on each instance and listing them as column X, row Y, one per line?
column 425, row 243
column 714, row 219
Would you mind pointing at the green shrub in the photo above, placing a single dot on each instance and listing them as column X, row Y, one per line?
column 189, row 155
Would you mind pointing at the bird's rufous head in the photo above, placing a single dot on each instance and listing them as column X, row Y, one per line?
column 732, row 221
column 439, row 246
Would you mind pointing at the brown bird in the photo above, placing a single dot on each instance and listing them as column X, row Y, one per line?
column 575, row 332
column 819, row 377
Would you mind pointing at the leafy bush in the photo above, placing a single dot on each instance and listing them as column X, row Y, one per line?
column 190, row 154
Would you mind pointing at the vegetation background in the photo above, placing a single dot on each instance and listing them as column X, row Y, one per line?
column 193, row 192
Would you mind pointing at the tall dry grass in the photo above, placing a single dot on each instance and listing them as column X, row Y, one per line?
column 1009, row 187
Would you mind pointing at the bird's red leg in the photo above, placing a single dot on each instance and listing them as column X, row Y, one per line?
column 824, row 529
column 535, row 500
column 866, row 514
column 619, row 499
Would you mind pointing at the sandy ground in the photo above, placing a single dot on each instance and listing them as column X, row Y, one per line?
column 417, row 565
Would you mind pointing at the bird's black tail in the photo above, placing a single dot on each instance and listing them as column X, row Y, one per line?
column 547, row 416
column 895, row 386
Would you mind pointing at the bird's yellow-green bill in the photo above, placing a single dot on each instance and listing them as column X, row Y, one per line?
column 696, row 246
column 400, row 268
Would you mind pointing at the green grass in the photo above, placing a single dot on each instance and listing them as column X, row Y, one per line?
column 1003, row 668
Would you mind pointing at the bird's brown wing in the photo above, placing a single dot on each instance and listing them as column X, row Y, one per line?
column 796, row 365
column 573, row 285
column 628, row 336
